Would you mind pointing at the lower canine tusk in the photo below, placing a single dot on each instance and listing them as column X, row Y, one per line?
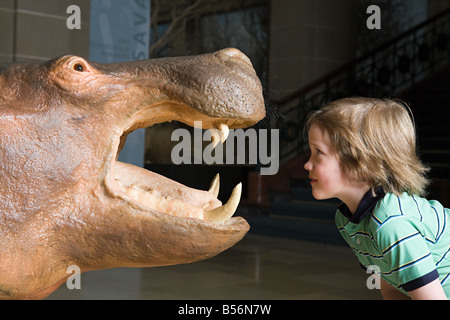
column 215, row 186
column 224, row 213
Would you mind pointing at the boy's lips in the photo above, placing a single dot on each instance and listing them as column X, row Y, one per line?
column 312, row 180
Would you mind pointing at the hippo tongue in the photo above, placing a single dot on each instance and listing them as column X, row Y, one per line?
column 166, row 196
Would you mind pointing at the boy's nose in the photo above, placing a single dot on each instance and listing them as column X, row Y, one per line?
column 308, row 165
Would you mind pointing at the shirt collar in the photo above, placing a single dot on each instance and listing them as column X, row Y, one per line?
column 366, row 204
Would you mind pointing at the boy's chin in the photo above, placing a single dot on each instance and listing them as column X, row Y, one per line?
column 320, row 196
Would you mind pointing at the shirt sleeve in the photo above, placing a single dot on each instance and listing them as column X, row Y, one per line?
column 408, row 262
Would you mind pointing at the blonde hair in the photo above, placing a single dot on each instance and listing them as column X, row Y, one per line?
column 375, row 142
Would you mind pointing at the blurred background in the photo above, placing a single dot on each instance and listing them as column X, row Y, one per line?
column 305, row 52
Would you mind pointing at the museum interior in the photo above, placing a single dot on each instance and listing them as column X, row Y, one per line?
column 305, row 53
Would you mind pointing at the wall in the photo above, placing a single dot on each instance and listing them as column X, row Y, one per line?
column 308, row 39
column 37, row 30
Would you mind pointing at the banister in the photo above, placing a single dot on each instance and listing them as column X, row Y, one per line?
column 387, row 70
column 344, row 68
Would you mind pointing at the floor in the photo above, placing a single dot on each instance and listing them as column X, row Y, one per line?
column 258, row 267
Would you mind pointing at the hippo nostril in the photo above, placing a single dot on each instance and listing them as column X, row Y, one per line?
column 232, row 52
column 235, row 53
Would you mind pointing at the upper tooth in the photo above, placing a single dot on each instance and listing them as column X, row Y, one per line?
column 215, row 137
column 219, row 134
column 224, row 132
column 222, row 214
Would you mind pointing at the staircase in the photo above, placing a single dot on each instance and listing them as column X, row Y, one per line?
column 415, row 67
column 400, row 64
column 430, row 103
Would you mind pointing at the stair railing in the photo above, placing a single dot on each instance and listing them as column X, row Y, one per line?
column 385, row 71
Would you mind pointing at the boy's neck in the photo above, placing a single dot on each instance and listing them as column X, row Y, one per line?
column 352, row 198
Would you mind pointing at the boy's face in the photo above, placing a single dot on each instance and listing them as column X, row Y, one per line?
column 327, row 178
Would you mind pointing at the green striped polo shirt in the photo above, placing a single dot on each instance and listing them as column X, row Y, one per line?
column 407, row 237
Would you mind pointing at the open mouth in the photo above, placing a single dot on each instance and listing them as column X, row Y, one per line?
column 220, row 90
column 154, row 193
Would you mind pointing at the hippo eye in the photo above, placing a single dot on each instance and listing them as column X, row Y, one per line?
column 78, row 67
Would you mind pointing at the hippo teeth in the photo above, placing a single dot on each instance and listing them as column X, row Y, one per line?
column 219, row 134
column 215, row 186
column 153, row 199
column 224, row 132
column 168, row 197
column 222, row 214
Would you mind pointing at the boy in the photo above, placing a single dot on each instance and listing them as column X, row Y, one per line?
column 363, row 152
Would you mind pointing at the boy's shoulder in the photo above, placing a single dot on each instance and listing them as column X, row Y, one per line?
column 403, row 207
column 388, row 207
column 396, row 208
column 393, row 219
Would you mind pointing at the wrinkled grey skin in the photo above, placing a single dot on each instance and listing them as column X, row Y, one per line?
column 62, row 124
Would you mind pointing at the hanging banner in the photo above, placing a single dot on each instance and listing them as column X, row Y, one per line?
column 120, row 31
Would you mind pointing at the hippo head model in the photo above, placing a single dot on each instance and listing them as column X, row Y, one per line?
column 65, row 200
